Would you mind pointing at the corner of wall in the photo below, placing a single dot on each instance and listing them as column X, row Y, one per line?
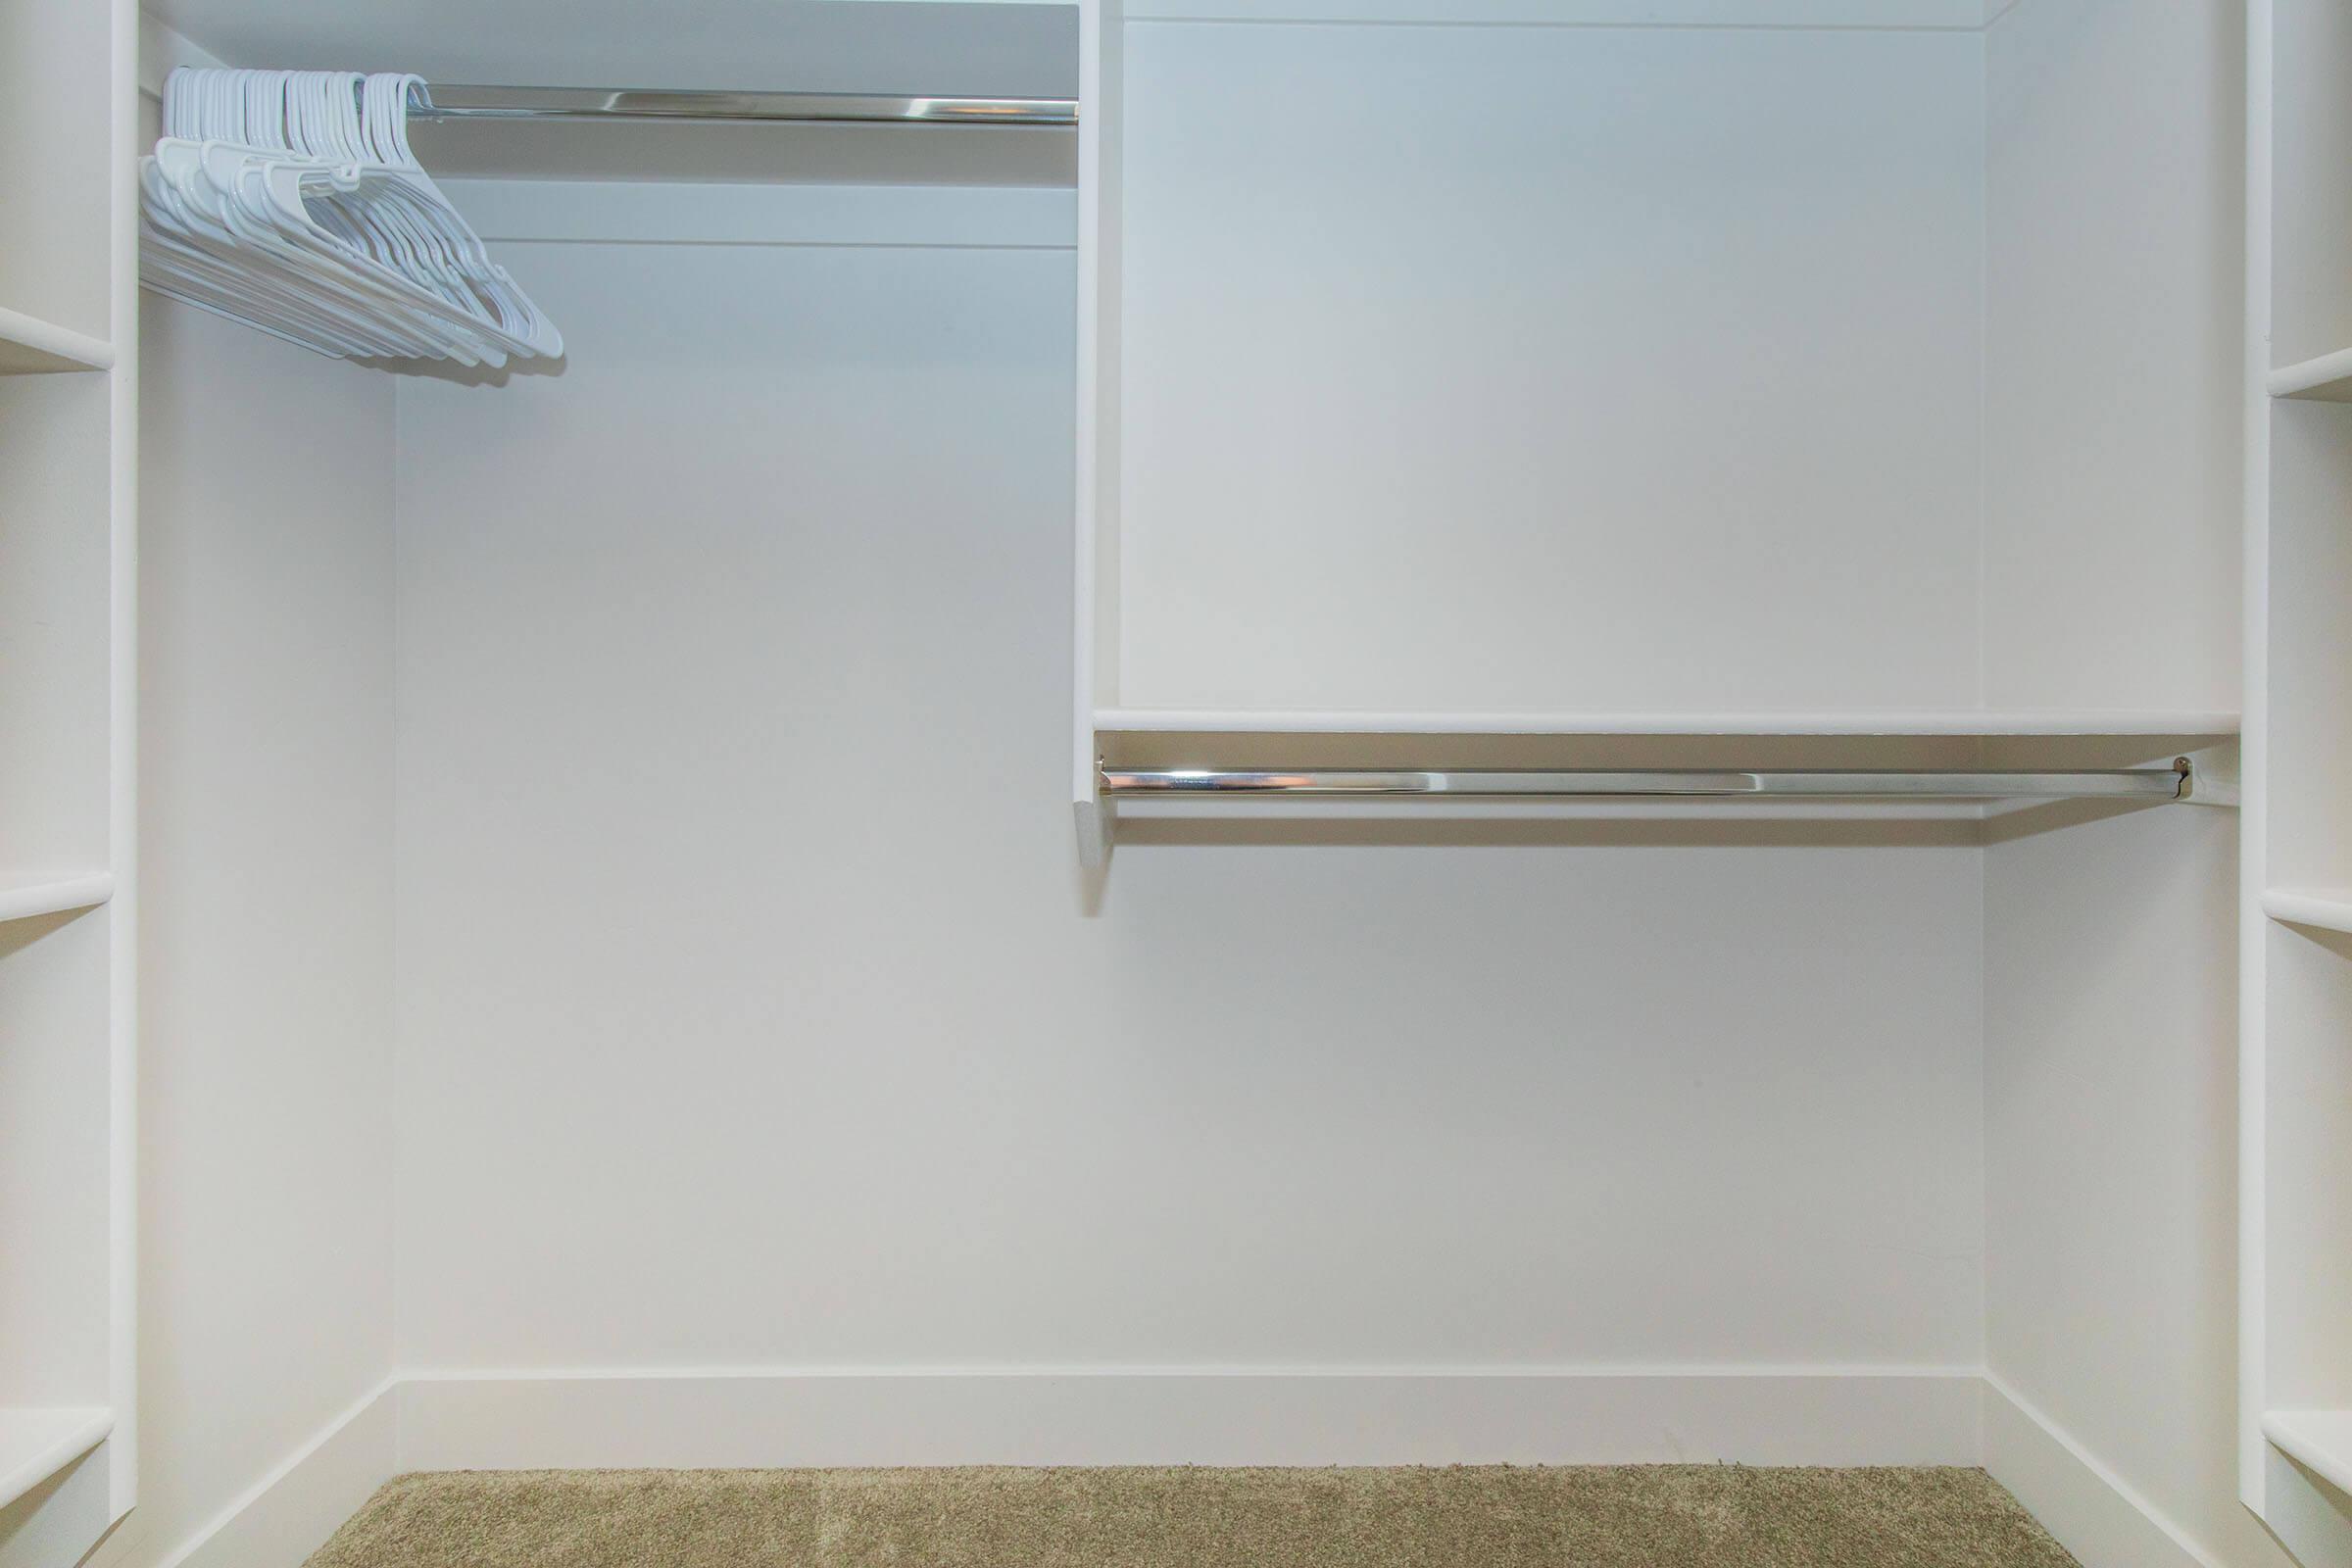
column 289, row 1513
column 2094, row 1512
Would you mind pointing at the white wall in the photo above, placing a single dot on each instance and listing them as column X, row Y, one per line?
column 2110, row 1157
column 2112, row 342
column 1489, row 368
column 266, row 1129
column 2114, row 320
column 749, row 1016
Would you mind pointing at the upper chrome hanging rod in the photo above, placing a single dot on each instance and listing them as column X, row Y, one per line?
column 2146, row 783
column 443, row 102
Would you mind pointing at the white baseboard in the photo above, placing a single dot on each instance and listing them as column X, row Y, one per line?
column 729, row 1420
column 291, row 1511
column 2092, row 1511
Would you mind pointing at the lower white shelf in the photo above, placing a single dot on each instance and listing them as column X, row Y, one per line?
column 36, row 1441
column 27, row 898
column 2326, row 908
column 2320, row 1441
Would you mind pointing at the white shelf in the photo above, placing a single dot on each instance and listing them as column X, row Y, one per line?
column 2325, row 379
column 2328, row 907
column 1858, row 722
column 29, row 346
column 697, row 153
column 36, row 1442
column 2321, row 1440
column 27, row 898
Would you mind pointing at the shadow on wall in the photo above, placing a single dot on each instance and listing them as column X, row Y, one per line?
column 52, row 1521
column 18, row 935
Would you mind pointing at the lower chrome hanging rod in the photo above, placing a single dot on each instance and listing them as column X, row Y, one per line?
column 447, row 102
column 2172, row 783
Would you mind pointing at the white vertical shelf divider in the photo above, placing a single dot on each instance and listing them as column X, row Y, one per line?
column 68, row 772
column 123, row 766
column 1093, row 671
column 2253, row 759
column 2295, row 864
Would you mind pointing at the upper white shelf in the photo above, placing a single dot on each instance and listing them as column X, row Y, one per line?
column 2321, row 1440
column 1859, row 721
column 2325, row 379
column 27, row 898
column 36, row 1442
column 1011, row 49
column 30, row 346
column 702, row 153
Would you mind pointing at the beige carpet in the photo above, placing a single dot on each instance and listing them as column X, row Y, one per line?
column 1645, row 1516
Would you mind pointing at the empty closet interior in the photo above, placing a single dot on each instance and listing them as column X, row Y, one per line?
column 1353, row 731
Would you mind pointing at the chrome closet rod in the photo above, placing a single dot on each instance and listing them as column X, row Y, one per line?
column 450, row 102
column 2146, row 783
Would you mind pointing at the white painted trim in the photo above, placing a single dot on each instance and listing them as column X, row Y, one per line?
column 1145, row 1369
column 647, row 212
column 625, row 1419
column 603, row 1417
column 1923, row 721
column 287, row 1514
column 2094, row 1512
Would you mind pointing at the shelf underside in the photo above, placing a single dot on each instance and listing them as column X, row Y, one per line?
column 2138, row 784
column 29, row 346
column 2320, row 1441
column 28, row 898
column 1761, row 775
column 2329, row 908
column 2325, row 379
column 37, row 1441
column 1142, row 738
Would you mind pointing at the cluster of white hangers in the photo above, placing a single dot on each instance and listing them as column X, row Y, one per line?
column 289, row 199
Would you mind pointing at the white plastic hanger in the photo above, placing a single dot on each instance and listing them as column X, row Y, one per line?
column 291, row 201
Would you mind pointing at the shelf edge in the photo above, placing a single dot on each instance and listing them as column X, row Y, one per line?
column 2325, row 379
column 79, row 1431
column 2289, row 1432
column 55, row 348
column 2330, row 909
column 1859, row 721
column 26, row 901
